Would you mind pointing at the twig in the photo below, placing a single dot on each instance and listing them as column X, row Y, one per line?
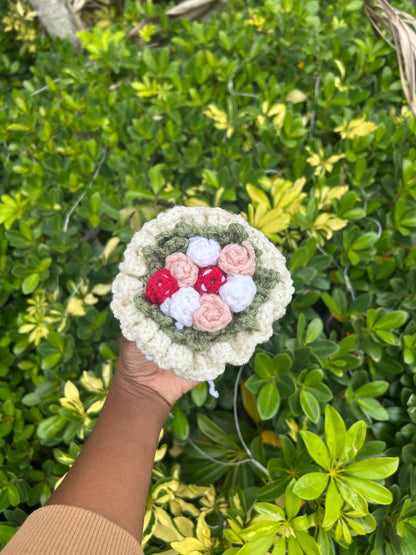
column 315, row 101
column 97, row 171
column 378, row 224
column 401, row 27
column 45, row 88
column 348, row 284
column 237, row 426
column 230, row 88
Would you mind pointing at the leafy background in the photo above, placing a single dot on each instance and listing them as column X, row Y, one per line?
column 290, row 112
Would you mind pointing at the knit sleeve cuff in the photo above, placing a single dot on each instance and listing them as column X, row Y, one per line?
column 68, row 530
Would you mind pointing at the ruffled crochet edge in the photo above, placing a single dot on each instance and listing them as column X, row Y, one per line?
column 152, row 341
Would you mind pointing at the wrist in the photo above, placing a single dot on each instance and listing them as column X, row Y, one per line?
column 137, row 393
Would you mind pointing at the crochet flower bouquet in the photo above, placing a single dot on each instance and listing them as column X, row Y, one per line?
column 199, row 288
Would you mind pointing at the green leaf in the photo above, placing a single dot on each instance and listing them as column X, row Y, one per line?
column 354, row 440
column 325, row 542
column 352, row 497
column 335, row 433
column 280, row 546
column 310, row 406
column 156, row 178
column 372, row 389
column 8, row 408
column 199, row 394
column 254, row 383
column 50, row 427
column 282, row 363
column 30, row 283
column 324, row 348
column 140, row 193
column 333, row 505
column 56, row 340
column 259, row 529
column 329, row 84
column 365, row 241
column 13, row 495
column 6, row 532
column 263, row 364
column 373, row 469
column 51, row 360
column 313, row 377
column 311, row 486
column 408, row 543
column 293, row 548
column 316, row 449
column 268, row 401
column 373, row 409
column 256, row 47
column 307, row 543
column 313, row 331
column 298, row 259
column 269, row 510
column 259, row 546
column 302, row 522
column 293, row 502
column 354, row 5
column 214, row 432
column 372, row 491
column 331, row 304
column 387, row 337
column 300, row 330
column 180, row 426
column 354, row 525
column 392, row 320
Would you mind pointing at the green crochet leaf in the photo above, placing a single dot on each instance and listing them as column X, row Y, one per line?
column 177, row 241
column 264, row 278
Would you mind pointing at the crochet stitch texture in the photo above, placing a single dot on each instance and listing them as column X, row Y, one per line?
column 195, row 354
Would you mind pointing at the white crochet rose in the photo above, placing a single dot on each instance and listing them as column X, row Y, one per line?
column 204, row 252
column 150, row 339
column 238, row 292
column 181, row 306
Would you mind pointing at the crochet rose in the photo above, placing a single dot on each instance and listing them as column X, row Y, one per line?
column 182, row 269
column 238, row 292
column 212, row 315
column 181, row 306
column 204, row 252
column 238, row 259
column 161, row 286
column 209, row 280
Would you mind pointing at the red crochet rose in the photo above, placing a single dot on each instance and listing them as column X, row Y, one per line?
column 161, row 286
column 209, row 280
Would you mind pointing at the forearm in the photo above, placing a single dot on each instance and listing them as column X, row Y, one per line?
column 112, row 473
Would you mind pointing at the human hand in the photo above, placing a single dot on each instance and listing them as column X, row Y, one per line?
column 134, row 368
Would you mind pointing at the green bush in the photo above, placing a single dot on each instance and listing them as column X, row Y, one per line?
column 290, row 112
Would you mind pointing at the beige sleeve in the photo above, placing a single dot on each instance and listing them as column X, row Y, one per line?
column 66, row 530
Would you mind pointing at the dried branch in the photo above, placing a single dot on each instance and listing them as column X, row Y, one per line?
column 190, row 9
column 58, row 19
column 402, row 28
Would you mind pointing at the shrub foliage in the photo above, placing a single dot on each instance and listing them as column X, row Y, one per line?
column 290, row 112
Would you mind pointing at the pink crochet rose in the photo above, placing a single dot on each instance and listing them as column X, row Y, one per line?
column 212, row 315
column 182, row 268
column 238, row 259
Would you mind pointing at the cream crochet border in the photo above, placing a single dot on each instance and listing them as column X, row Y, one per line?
column 135, row 326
